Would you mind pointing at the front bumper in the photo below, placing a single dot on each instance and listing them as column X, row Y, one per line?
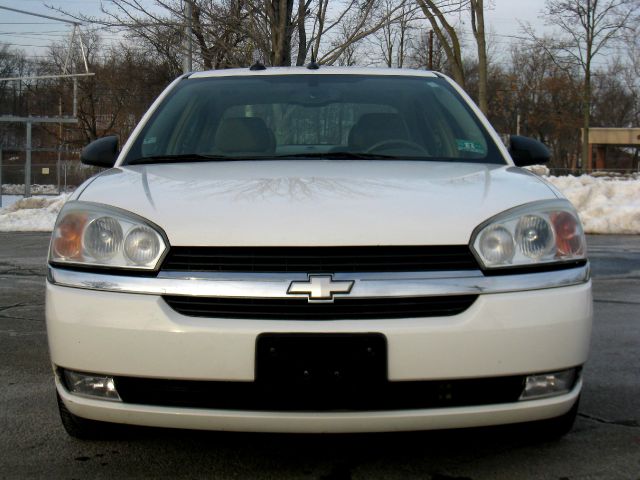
column 139, row 335
column 319, row 422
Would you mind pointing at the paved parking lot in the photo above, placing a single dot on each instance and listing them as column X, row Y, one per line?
column 605, row 443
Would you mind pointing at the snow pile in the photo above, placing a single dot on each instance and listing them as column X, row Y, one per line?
column 17, row 189
column 33, row 214
column 9, row 200
column 541, row 170
column 606, row 205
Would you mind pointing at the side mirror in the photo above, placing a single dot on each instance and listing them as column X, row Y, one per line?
column 527, row 151
column 102, row 152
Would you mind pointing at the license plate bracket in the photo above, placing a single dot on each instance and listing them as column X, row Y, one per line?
column 321, row 362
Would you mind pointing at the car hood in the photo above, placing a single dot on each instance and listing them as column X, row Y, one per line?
column 312, row 202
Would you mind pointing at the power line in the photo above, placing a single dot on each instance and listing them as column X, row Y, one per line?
column 43, row 32
column 29, row 23
column 40, row 15
column 23, row 45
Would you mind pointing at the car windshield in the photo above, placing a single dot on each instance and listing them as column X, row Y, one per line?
column 312, row 116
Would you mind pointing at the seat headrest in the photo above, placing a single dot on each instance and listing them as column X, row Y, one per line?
column 244, row 135
column 374, row 128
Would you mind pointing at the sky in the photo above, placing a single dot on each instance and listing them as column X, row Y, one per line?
column 505, row 14
column 33, row 34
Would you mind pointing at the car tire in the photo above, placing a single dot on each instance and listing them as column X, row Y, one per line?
column 83, row 428
column 555, row 428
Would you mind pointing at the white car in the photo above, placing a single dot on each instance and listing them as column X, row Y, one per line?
column 317, row 250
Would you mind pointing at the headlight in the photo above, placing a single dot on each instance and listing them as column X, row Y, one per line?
column 537, row 233
column 97, row 235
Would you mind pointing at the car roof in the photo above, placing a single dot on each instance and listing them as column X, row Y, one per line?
column 246, row 72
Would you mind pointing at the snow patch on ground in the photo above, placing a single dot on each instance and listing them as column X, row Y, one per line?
column 607, row 205
column 33, row 214
column 9, row 200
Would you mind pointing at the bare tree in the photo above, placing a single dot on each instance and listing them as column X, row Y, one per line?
column 125, row 83
column 230, row 32
column 351, row 54
column 427, row 53
column 436, row 12
column 394, row 38
column 545, row 100
column 386, row 39
column 405, row 35
column 303, row 47
column 477, row 25
column 334, row 30
column 586, row 29
column 222, row 29
column 360, row 19
column 614, row 101
column 279, row 15
column 632, row 71
column 13, row 63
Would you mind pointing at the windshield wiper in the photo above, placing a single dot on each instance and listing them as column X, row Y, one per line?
column 183, row 157
column 197, row 157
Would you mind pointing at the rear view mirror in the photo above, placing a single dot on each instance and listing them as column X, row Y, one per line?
column 527, row 151
column 102, row 152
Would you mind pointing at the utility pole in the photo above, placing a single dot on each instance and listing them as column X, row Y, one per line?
column 187, row 60
column 0, row 176
column 27, row 163
column 58, row 166
column 430, row 49
column 60, row 132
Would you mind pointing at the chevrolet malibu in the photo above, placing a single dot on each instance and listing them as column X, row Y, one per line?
column 317, row 250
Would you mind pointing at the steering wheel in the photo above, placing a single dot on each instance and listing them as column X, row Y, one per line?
column 392, row 143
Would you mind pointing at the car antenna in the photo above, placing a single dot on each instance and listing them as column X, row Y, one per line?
column 257, row 66
column 312, row 64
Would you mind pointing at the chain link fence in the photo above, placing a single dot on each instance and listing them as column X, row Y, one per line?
column 604, row 172
column 53, row 171
column 46, row 178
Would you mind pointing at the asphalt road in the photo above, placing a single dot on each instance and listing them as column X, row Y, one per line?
column 605, row 443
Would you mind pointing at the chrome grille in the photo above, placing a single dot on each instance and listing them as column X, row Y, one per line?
column 340, row 309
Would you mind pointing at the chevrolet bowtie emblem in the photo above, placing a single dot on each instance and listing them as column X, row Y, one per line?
column 320, row 287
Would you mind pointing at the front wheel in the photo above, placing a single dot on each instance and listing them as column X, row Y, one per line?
column 83, row 428
column 555, row 428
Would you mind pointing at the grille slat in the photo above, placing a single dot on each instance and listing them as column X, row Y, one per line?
column 320, row 259
column 301, row 309
column 309, row 256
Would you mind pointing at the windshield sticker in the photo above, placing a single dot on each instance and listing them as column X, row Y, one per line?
column 149, row 141
column 469, row 146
